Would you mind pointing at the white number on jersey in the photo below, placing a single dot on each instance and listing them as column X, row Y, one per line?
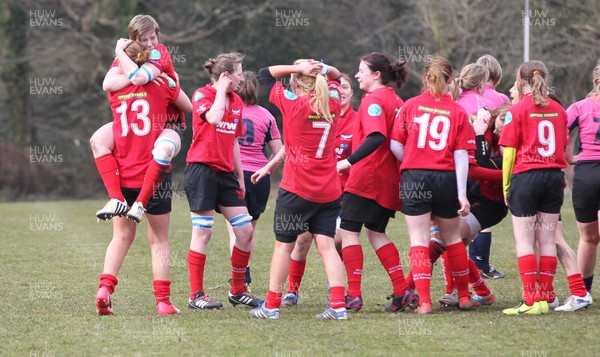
column 438, row 131
column 546, row 140
column 142, row 108
column 326, row 126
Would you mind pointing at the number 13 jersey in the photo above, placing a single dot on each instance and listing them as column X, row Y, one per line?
column 140, row 114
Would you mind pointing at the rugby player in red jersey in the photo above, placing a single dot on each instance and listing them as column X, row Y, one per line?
column 432, row 136
column 534, row 140
column 309, row 195
column 139, row 115
column 214, row 179
column 123, row 72
column 371, row 192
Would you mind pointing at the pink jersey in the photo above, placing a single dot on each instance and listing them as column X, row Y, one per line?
column 309, row 170
column 585, row 114
column 213, row 145
column 140, row 114
column 377, row 176
column 259, row 128
column 539, row 135
column 343, row 140
column 431, row 130
column 472, row 101
column 495, row 97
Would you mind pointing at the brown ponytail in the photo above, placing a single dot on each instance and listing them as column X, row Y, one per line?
column 438, row 72
column 248, row 89
column 391, row 72
column 225, row 62
column 137, row 52
column 535, row 74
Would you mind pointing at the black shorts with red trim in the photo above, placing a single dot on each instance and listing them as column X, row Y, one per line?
column 160, row 202
column 294, row 215
column 206, row 189
column 536, row 191
column 423, row 191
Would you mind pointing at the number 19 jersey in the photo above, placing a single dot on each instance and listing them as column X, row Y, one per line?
column 431, row 130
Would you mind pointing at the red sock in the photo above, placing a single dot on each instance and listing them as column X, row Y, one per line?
column 435, row 251
column 196, row 263
column 353, row 261
column 410, row 282
column 273, row 300
column 547, row 271
column 108, row 280
column 448, row 280
column 576, row 285
column 162, row 291
column 476, row 280
column 295, row 275
column 109, row 171
column 390, row 259
column 420, row 266
column 155, row 175
column 459, row 265
column 528, row 271
column 239, row 262
column 336, row 298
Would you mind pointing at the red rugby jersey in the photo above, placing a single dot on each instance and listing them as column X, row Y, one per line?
column 539, row 135
column 140, row 114
column 431, row 130
column 161, row 59
column 213, row 145
column 309, row 170
column 376, row 176
column 343, row 140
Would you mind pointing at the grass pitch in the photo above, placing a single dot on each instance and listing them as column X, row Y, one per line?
column 52, row 254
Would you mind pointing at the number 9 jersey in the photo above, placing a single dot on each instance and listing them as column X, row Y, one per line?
column 539, row 135
column 140, row 114
column 431, row 130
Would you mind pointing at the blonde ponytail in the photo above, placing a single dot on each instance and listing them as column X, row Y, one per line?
column 320, row 102
column 318, row 84
column 455, row 89
column 596, row 80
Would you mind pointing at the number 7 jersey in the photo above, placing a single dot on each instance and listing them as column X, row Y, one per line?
column 431, row 130
column 309, row 168
column 539, row 135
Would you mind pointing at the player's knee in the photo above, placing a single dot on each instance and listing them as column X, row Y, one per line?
column 202, row 222
column 303, row 243
column 240, row 220
column 164, row 151
column 96, row 149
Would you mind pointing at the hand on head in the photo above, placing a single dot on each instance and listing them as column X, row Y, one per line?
column 224, row 81
column 122, row 44
column 311, row 68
